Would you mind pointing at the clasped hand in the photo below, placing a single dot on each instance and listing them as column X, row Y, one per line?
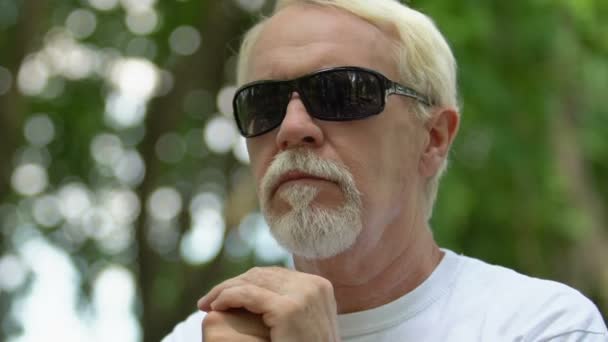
column 293, row 306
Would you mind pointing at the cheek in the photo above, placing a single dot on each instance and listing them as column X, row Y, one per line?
column 392, row 160
column 369, row 171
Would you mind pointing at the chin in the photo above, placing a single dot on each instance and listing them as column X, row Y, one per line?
column 315, row 232
column 310, row 229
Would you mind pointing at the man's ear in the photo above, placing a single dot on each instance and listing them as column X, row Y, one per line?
column 441, row 129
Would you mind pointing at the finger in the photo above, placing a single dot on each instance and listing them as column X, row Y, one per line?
column 203, row 302
column 253, row 298
column 271, row 278
column 234, row 325
column 247, row 323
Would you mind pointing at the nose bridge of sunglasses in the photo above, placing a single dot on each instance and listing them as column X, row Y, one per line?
column 297, row 96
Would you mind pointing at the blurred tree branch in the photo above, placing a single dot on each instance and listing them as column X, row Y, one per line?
column 590, row 253
column 21, row 40
column 204, row 69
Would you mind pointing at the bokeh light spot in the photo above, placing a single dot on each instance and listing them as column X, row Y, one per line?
column 162, row 236
column 33, row 76
column 122, row 204
column 80, row 62
column 204, row 201
column 106, row 149
column 166, row 83
column 118, row 239
column 46, row 211
column 251, row 5
column 249, row 226
column 29, row 179
column 220, row 134
column 81, row 23
column 111, row 235
column 185, row 40
column 55, row 284
column 266, row 247
column 204, row 240
column 135, row 77
column 142, row 22
column 74, row 200
column 236, row 247
column 71, row 236
column 130, row 169
column 66, row 57
column 12, row 273
column 114, row 289
column 124, row 111
column 39, row 130
column 164, row 204
column 113, row 301
column 137, row 5
column 103, row 5
column 224, row 100
column 97, row 223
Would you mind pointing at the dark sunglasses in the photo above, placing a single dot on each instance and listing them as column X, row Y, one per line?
column 334, row 94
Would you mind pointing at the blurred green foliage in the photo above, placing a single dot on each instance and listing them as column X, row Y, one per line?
column 526, row 188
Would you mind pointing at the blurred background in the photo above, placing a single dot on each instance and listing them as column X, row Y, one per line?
column 124, row 187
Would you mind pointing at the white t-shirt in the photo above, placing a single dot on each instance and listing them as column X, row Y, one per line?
column 465, row 299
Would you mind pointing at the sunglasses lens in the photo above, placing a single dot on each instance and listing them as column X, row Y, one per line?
column 260, row 108
column 343, row 94
column 335, row 94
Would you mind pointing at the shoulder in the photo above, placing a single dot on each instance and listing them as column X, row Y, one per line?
column 188, row 330
column 532, row 308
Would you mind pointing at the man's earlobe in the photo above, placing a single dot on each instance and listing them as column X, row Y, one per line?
column 441, row 129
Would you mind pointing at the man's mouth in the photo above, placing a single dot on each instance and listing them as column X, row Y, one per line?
column 292, row 176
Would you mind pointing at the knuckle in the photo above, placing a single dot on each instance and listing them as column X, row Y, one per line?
column 237, row 291
column 323, row 285
column 257, row 269
column 292, row 307
column 254, row 272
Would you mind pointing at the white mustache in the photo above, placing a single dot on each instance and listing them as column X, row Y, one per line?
column 309, row 231
column 304, row 160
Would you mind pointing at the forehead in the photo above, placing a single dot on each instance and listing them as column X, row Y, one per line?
column 305, row 37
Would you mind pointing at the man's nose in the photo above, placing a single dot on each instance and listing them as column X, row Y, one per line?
column 298, row 128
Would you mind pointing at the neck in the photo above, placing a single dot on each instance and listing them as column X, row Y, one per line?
column 367, row 276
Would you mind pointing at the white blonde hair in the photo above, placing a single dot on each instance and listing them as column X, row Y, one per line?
column 423, row 56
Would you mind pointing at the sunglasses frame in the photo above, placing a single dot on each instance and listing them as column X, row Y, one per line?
column 389, row 87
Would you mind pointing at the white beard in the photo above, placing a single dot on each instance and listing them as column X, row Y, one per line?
column 308, row 230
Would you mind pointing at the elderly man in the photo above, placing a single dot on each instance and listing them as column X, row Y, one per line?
column 349, row 109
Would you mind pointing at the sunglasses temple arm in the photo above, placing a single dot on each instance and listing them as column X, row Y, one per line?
column 396, row 88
